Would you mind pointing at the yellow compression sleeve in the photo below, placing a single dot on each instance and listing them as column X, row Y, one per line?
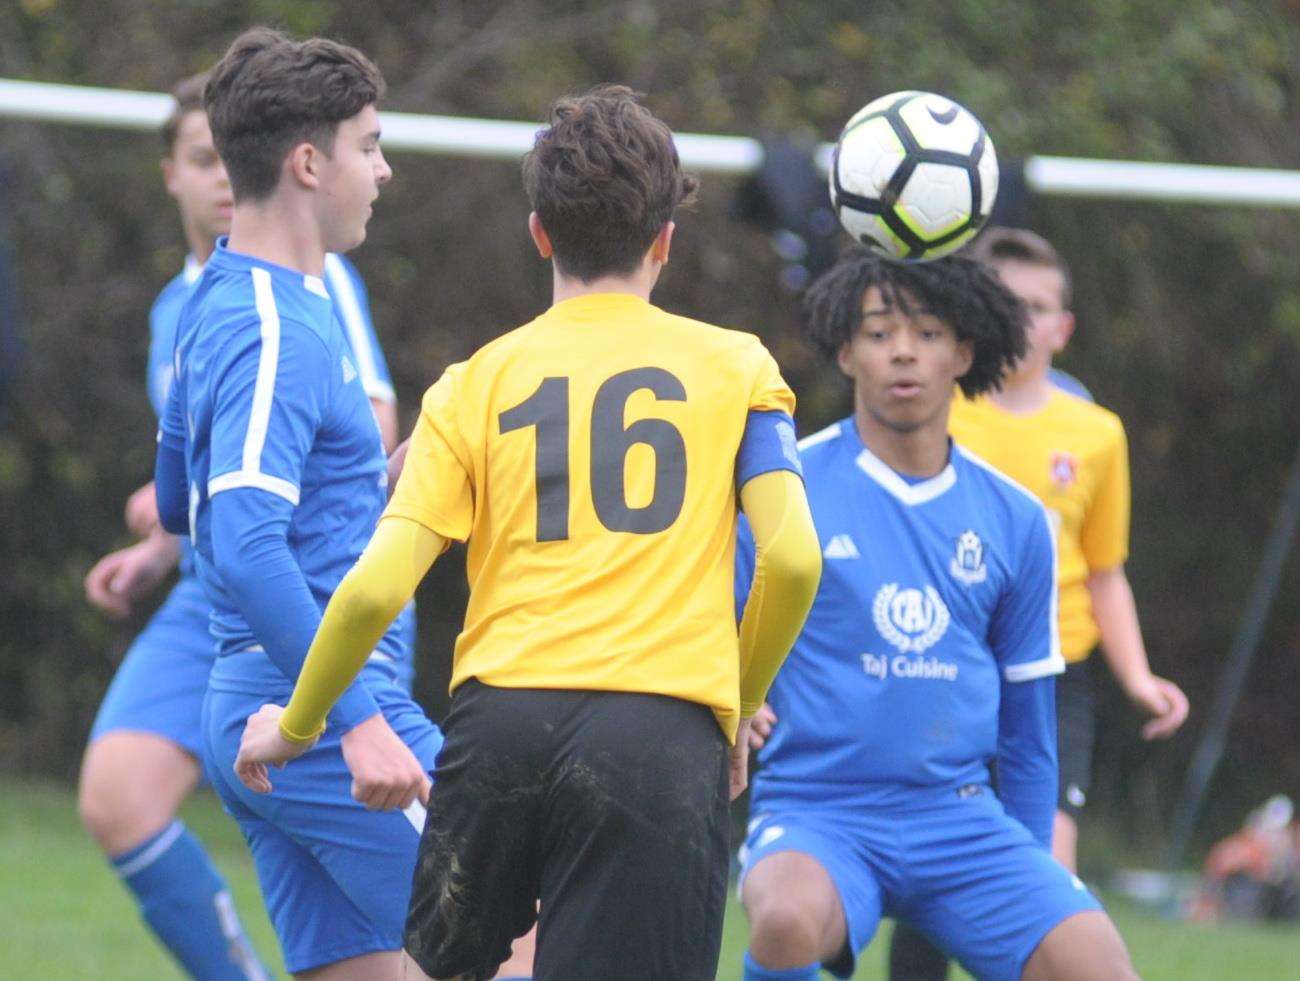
column 787, row 569
column 366, row 602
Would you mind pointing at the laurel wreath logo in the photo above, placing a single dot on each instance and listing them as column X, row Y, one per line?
column 906, row 642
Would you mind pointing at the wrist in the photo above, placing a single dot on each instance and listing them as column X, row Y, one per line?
column 163, row 547
column 1134, row 681
column 298, row 739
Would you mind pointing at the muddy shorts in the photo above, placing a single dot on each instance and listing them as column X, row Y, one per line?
column 608, row 808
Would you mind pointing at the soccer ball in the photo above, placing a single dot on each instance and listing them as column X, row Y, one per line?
column 913, row 176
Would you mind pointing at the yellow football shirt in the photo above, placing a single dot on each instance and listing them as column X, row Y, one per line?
column 1073, row 456
column 588, row 458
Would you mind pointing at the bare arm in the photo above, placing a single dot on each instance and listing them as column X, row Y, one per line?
column 386, row 416
column 1115, row 611
column 396, row 461
column 121, row 579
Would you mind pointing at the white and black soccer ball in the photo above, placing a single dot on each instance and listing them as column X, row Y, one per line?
column 913, row 176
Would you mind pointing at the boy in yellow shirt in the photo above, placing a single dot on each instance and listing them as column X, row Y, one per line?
column 593, row 461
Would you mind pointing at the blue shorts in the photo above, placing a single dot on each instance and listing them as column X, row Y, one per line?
column 160, row 683
column 336, row 877
column 958, row 868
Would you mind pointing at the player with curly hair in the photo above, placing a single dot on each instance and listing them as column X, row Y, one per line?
column 931, row 650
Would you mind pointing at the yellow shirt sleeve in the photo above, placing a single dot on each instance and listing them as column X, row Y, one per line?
column 787, row 570
column 366, row 602
column 770, row 392
column 436, row 488
column 1104, row 535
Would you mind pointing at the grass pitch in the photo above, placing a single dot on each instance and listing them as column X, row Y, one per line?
column 63, row 913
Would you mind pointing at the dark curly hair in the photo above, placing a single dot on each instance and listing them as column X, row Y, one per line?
column 960, row 292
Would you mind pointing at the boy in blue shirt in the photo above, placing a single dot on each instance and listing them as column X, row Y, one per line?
column 143, row 756
column 271, row 460
column 930, row 652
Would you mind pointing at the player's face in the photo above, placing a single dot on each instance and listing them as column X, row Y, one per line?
column 196, row 178
column 903, row 366
column 350, row 178
column 1041, row 289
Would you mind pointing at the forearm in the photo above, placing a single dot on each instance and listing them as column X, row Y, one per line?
column 171, row 485
column 267, row 586
column 367, row 600
column 1027, row 761
column 1115, row 612
column 787, row 569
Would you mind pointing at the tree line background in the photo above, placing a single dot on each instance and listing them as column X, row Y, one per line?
column 1189, row 315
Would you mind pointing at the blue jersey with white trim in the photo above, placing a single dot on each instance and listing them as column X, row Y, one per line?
column 163, row 317
column 268, row 395
column 351, row 308
column 934, row 595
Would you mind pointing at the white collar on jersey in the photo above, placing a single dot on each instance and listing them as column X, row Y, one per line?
column 910, row 494
column 193, row 269
column 315, row 285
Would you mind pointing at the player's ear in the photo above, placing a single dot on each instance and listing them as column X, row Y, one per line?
column 662, row 244
column 168, row 167
column 540, row 238
column 304, row 164
column 844, row 359
column 965, row 357
column 1064, row 331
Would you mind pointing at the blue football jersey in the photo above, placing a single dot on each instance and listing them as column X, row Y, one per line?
column 351, row 310
column 268, row 395
column 934, row 594
column 163, row 317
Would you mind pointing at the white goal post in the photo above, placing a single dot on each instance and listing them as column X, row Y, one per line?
column 499, row 139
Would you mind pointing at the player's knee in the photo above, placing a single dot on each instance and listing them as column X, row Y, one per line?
column 785, row 931
column 104, row 809
column 116, row 805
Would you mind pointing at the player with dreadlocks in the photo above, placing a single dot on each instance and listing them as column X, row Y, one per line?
column 931, row 650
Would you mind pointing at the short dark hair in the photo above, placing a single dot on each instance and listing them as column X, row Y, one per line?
column 187, row 97
column 1021, row 245
column 961, row 292
column 269, row 93
column 604, row 178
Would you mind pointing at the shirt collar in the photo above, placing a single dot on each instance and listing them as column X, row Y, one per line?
column 890, row 480
column 224, row 258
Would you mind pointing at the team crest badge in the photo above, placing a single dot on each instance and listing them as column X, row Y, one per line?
column 967, row 565
column 1065, row 469
column 913, row 620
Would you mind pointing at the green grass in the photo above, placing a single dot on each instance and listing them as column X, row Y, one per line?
column 65, row 915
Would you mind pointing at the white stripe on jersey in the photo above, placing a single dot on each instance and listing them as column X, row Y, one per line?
column 1054, row 663
column 259, row 417
column 829, row 433
column 909, row 494
column 354, row 322
column 253, row 478
column 1032, row 670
